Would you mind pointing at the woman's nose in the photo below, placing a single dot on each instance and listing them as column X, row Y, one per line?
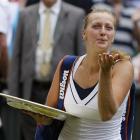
column 103, row 31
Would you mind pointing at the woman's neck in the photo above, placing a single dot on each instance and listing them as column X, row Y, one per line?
column 91, row 63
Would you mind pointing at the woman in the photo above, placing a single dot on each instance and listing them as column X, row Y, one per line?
column 99, row 84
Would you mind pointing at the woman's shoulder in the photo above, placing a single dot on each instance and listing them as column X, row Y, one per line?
column 124, row 66
column 123, row 63
column 124, row 60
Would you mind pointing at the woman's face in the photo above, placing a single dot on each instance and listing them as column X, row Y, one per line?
column 100, row 30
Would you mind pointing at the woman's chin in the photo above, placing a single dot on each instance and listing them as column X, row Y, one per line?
column 102, row 46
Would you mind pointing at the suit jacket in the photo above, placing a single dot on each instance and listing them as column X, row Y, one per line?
column 67, row 40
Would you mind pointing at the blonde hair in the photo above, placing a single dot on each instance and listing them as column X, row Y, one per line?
column 99, row 9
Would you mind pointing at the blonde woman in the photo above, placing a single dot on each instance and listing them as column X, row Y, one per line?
column 99, row 84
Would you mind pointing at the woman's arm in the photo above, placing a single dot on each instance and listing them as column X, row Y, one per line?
column 114, row 83
column 52, row 98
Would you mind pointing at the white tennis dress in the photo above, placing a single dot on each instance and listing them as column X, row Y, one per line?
column 89, row 125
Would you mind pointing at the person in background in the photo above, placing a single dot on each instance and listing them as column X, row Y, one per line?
column 136, row 59
column 97, row 91
column 3, row 64
column 11, row 10
column 37, row 52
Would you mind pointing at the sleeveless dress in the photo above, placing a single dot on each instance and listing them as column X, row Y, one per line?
column 88, row 124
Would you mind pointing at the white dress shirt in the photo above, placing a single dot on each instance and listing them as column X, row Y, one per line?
column 54, row 11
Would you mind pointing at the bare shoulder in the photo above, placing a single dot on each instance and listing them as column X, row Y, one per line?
column 124, row 70
column 124, row 66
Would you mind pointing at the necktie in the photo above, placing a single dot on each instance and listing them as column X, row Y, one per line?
column 46, row 47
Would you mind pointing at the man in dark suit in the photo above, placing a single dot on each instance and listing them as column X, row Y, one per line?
column 66, row 33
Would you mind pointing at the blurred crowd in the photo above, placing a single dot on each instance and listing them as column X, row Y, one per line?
column 22, row 54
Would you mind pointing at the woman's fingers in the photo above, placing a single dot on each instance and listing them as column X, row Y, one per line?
column 40, row 119
column 106, row 59
column 116, row 57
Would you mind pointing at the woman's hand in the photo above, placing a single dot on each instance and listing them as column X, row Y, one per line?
column 40, row 119
column 106, row 61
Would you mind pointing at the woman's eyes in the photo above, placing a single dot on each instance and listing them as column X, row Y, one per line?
column 109, row 28
column 96, row 26
column 100, row 26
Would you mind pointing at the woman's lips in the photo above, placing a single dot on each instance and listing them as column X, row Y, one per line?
column 101, row 40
